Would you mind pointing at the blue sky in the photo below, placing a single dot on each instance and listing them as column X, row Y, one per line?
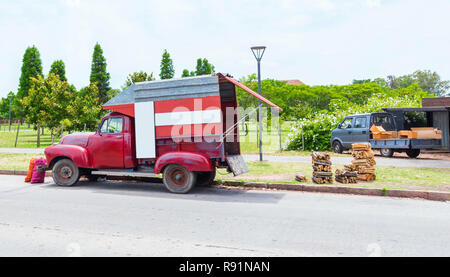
column 316, row 41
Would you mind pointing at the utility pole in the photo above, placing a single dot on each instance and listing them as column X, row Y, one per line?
column 258, row 52
column 9, row 96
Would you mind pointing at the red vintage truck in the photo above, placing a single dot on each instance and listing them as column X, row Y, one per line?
column 183, row 128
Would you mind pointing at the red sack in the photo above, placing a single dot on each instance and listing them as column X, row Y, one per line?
column 30, row 170
column 38, row 177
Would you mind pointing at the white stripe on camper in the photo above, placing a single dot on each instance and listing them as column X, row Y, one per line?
column 188, row 117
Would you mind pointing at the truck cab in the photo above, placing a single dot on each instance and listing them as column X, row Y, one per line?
column 181, row 128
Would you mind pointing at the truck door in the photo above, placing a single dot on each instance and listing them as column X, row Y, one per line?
column 106, row 146
column 344, row 132
column 360, row 131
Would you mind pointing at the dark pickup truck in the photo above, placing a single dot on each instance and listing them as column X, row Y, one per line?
column 355, row 129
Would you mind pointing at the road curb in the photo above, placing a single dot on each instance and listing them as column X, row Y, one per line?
column 20, row 172
column 416, row 194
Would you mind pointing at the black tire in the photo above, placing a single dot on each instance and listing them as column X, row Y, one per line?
column 205, row 178
column 65, row 173
column 386, row 152
column 178, row 179
column 413, row 153
column 337, row 147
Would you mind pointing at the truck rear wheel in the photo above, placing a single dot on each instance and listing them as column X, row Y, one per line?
column 205, row 178
column 65, row 173
column 386, row 152
column 178, row 179
column 413, row 153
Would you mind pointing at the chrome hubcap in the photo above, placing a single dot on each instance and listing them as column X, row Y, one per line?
column 66, row 172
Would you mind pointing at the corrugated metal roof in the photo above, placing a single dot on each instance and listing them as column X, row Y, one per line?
column 199, row 86
column 189, row 87
column 418, row 109
column 125, row 97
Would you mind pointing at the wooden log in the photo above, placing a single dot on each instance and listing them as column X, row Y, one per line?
column 322, row 173
column 320, row 156
column 300, row 178
column 361, row 146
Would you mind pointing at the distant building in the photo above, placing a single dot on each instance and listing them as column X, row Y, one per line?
column 293, row 82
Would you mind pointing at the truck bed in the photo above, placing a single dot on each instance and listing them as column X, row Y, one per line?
column 406, row 143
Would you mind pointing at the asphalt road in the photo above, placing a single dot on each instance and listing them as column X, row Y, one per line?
column 142, row 219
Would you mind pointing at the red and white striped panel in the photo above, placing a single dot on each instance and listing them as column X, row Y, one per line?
column 188, row 117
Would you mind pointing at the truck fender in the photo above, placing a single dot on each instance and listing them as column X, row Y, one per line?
column 336, row 139
column 191, row 161
column 78, row 154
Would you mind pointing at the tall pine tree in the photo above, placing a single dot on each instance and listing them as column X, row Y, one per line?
column 167, row 71
column 59, row 68
column 31, row 68
column 99, row 75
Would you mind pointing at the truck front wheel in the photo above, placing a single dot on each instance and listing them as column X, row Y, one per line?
column 386, row 152
column 413, row 153
column 178, row 179
column 65, row 173
column 337, row 147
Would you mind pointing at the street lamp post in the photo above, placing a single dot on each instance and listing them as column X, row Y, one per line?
column 258, row 52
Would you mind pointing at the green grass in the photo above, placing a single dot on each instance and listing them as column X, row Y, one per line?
column 387, row 177
column 16, row 161
column 5, row 127
column 27, row 138
column 271, row 138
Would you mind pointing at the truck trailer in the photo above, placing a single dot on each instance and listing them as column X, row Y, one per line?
column 181, row 128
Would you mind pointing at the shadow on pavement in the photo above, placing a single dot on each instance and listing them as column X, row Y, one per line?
column 145, row 189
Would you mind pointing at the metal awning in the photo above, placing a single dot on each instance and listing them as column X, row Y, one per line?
column 242, row 86
column 418, row 109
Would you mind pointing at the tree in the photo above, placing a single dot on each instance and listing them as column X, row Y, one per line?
column 361, row 81
column 99, row 76
column 431, row 82
column 4, row 106
column 167, row 70
column 31, row 68
column 58, row 67
column 136, row 77
column 203, row 67
column 187, row 73
column 84, row 109
column 48, row 102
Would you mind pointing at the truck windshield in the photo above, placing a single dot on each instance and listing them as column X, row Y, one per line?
column 113, row 125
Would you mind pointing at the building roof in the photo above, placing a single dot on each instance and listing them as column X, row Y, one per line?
column 419, row 109
column 293, row 82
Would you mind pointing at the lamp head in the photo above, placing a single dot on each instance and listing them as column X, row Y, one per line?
column 258, row 52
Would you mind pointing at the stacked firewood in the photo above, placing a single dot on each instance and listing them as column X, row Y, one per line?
column 363, row 162
column 321, row 168
column 346, row 177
